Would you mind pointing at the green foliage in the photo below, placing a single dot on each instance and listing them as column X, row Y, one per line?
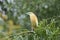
column 48, row 31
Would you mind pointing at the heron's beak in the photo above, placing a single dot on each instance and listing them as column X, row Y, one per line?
column 27, row 13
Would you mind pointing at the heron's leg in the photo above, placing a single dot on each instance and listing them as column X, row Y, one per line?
column 32, row 29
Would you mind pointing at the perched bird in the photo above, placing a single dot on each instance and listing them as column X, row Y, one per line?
column 33, row 20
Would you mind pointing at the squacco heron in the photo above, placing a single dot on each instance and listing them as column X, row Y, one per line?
column 33, row 20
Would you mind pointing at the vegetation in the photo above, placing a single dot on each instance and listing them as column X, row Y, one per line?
column 14, row 23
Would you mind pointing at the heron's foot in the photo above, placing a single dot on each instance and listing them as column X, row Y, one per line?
column 32, row 31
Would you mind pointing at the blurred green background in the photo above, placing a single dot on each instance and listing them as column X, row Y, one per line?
column 14, row 24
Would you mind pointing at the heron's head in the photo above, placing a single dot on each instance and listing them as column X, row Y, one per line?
column 30, row 13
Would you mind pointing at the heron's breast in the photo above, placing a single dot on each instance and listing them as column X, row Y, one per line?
column 34, row 20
